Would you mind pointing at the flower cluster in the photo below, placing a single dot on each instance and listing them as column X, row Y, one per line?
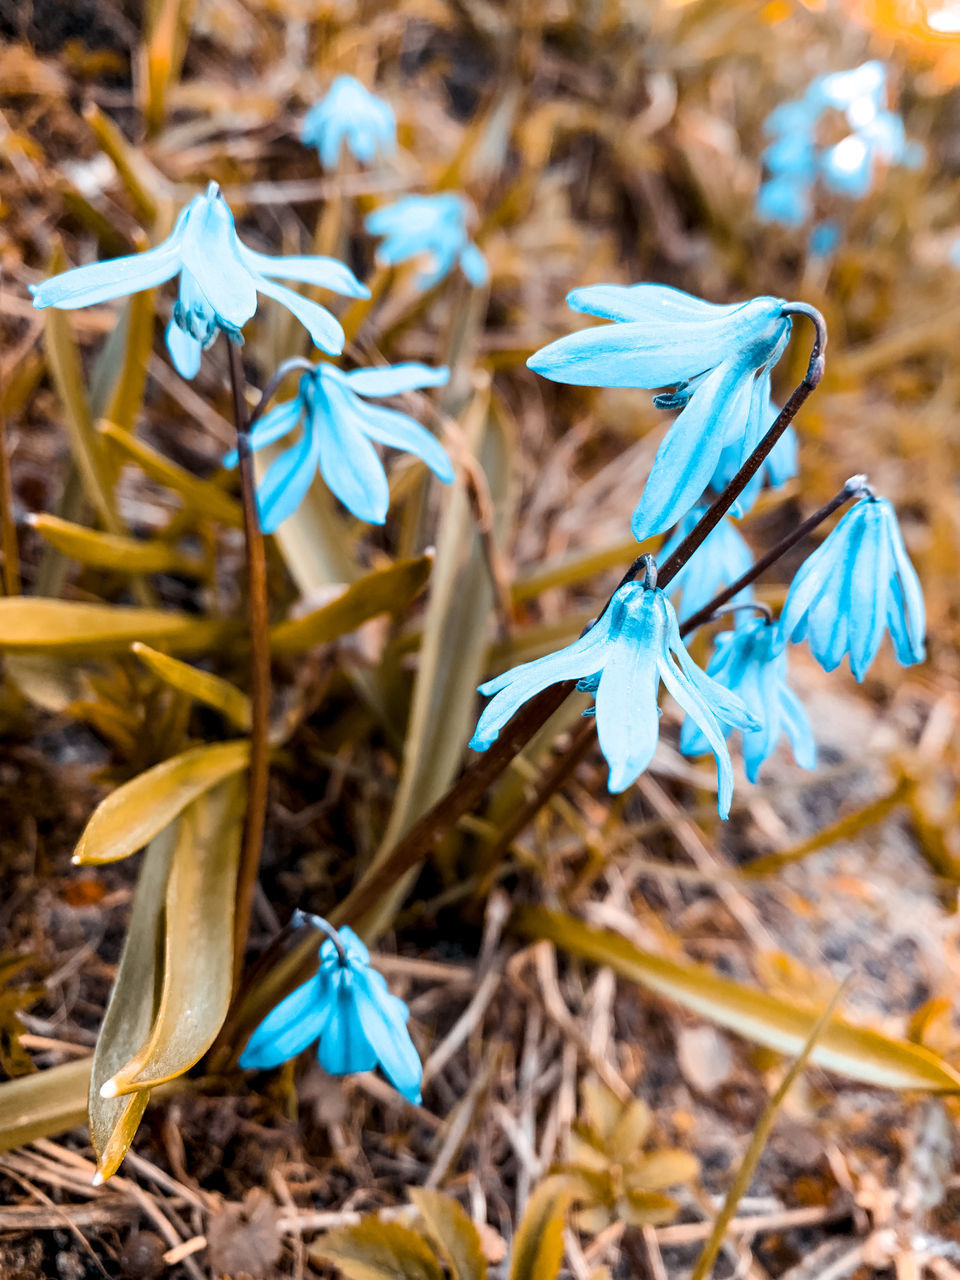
column 433, row 225
column 348, row 1007
column 796, row 160
column 337, row 429
column 622, row 659
column 350, row 114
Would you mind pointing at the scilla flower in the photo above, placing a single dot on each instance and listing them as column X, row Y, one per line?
column 350, row 113
column 349, row 1008
column 858, row 583
column 630, row 649
column 219, row 282
column 338, row 427
column 778, row 467
column 663, row 337
column 719, row 560
column 751, row 661
column 435, row 225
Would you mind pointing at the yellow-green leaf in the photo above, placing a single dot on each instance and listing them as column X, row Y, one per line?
column 44, row 1103
column 202, row 497
column 375, row 1250
column 77, row 629
column 212, row 690
column 858, row 1052
column 127, row 396
column 538, row 1244
column 133, row 814
column 451, row 1232
column 113, row 550
column 130, row 1012
column 198, row 949
column 383, row 591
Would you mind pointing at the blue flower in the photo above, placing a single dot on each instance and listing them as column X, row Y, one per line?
column 824, row 238
column 778, row 467
column 338, row 427
column 219, row 282
column 349, row 1008
column 784, row 199
column 436, row 225
column 860, row 92
column 719, row 560
column 622, row 659
column 858, row 583
column 350, row 113
column 663, row 337
column 751, row 660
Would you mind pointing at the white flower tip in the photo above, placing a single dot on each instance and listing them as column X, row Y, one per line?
column 109, row 1089
column 32, row 519
column 97, row 1180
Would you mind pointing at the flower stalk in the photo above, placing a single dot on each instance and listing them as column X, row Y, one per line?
column 258, row 619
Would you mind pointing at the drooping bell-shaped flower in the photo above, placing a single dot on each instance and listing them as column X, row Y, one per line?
column 338, row 429
column 435, row 225
column 751, row 661
column 662, row 337
column 349, row 113
column 857, row 584
column 778, row 467
column 219, row 282
column 622, row 659
column 347, row 1006
column 721, row 558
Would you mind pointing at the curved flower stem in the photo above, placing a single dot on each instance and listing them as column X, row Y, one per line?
column 256, row 811
column 300, row 918
column 270, row 390
column 853, row 488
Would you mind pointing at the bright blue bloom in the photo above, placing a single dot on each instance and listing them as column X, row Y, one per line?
column 793, row 156
column 858, row 583
column 859, row 92
column 338, row 427
column 719, row 560
column 751, row 660
column 778, row 467
column 848, row 167
column 436, row 225
column 219, row 282
column 786, row 200
column 350, row 113
column 622, row 659
column 711, row 354
column 348, row 1006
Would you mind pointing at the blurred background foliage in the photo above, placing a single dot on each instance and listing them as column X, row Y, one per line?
column 615, row 141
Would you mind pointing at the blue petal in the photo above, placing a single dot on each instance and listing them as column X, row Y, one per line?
column 289, row 1027
column 628, row 719
column 102, row 281
column 393, row 380
column 474, row 265
column 906, row 590
column 211, row 252
column 688, row 454
column 635, row 354
column 868, row 599
column 185, row 352
column 646, row 302
column 797, row 726
column 327, row 273
column 689, row 700
column 274, row 425
column 325, row 331
column 348, row 460
column 384, row 1025
column 344, row 1047
column 288, row 478
column 401, row 432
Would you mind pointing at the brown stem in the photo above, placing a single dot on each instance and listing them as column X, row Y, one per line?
column 256, row 811
column 853, row 486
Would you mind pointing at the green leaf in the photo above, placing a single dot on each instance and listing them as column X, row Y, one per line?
column 452, row 1233
column 133, row 814
column 197, row 974
column 375, row 1250
column 114, row 551
column 130, row 1012
column 43, row 1104
column 75, row 628
column 207, row 688
column 383, row 591
column 858, row 1052
column 538, row 1244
